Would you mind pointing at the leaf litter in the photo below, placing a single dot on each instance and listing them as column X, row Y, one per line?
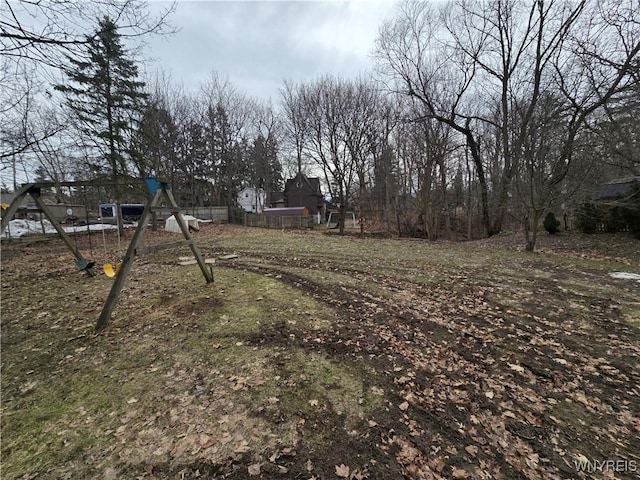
column 463, row 370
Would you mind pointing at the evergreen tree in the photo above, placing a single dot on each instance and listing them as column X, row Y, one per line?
column 265, row 169
column 551, row 224
column 107, row 98
column 157, row 141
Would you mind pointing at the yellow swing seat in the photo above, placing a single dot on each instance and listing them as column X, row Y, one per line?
column 109, row 271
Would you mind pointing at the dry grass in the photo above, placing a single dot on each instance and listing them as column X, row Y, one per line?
column 395, row 358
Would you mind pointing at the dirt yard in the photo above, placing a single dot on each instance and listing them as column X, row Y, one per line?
column 314, row 356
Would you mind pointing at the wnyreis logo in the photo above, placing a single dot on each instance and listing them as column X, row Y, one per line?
column 583, row 464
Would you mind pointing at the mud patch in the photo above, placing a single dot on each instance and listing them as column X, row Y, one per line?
column 195, row 306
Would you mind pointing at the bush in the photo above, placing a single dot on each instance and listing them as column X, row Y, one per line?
column 631, row 212
column 551, row 223
column 614, row 220
column 587, row 217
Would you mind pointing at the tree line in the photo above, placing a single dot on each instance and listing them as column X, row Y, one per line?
column 480, row 116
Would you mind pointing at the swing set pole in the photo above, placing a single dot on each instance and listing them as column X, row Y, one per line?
column 35, row 194
column 158, row 190
column 125, row 266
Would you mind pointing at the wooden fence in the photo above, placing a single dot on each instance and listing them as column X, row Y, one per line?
column 272, row 221
column 217, row 214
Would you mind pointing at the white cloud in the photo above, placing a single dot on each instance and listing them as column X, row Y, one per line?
column 257, row 44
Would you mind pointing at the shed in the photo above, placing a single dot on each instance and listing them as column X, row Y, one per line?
column 274, row 212
column 130, row 211
column 171, row 225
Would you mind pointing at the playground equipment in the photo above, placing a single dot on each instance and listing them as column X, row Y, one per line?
column 111, row 271
column 108, row 268
column 159, row 192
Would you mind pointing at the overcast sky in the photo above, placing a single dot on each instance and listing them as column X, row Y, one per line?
column 260, row 43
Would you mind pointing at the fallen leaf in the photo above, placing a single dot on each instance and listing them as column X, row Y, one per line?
column 342, row 471
column 459, row 473
column 404, row 406
column 532, row 460
column 242, row 448
column 273, row 400
column 358, row 476
column 110, row 473
column 471, row 449
column 516, row 367
column 377, row 391
column 254, row 469
column 489, row 394
column 27, row 387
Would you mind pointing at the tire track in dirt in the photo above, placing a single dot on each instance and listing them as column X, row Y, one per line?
column 513, row 382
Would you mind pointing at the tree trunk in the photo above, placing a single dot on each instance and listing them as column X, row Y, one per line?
column 342, row 215
column 531, row 221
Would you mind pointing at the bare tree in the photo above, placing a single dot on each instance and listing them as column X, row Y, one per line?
column 362, row 106
column 294, row 123
column 616, row 132
column 264, row 162
column 425, row 147
column 227, row 116
column 39, row 37
column 385, row 174
column 540, row 158
column 25, row 122
column 325, row 102
column 481, row 68
column 48, row 32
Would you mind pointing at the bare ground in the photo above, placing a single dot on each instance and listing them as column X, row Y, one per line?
column 318, row 356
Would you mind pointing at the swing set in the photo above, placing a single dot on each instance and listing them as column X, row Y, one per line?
column 108, row 269
column 160, row 192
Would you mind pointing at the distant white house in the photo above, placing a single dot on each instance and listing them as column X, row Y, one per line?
column 252, row 199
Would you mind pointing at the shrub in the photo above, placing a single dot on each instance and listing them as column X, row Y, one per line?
column 587, row 217
column 631, row 212
column 614, row 220
column 551, row 223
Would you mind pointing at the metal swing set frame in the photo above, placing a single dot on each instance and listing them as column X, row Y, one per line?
column 159, row 192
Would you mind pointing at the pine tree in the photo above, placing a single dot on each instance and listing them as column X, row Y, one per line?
column 265, row 170
column 107, row 98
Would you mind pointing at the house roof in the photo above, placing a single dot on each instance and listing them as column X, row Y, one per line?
column 617, row 188
column 276, row 197
column 286, row 211
column 313, row 183
column 251, row 189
